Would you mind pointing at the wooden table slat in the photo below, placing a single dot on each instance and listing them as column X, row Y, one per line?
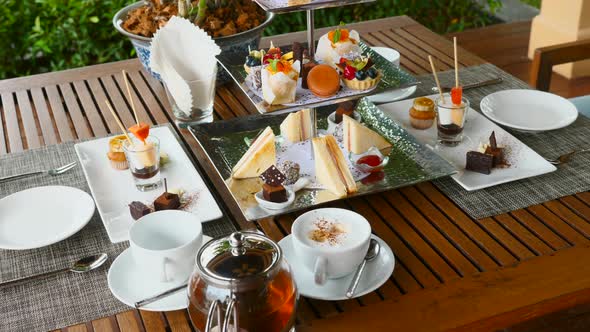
column 540, row 229
column 28, row 119
column 479, row 257
column 117, row 101
column 417, row 65
column 557, row 224
column 11, row 119
column 419, row 55
column 471, row 229
column 153, row 321
column 512, row 244
column 421, row 247
column 129, row 321
column 418, row 268
column 178, row 321
column 437, row 240
column 523, row 235
column 150, row 101
column 430, row 38
column 77, row 118
column 88, row 105
column 567, row 215
column 104, row 325
column 45, row 121
column 59, row 114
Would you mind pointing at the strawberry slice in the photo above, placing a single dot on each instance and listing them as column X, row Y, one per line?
column 141, row 131
column 456, row 95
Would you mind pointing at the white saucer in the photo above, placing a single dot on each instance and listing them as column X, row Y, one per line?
column 529, row 110
column 388, row 97
column 129, row 285
column 376, row 273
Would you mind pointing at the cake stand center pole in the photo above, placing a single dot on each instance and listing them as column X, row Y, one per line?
column 310, row 33
column 311, row 52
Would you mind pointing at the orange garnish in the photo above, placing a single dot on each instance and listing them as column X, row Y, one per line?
column 141, row 131
column 283, row 66
column 338, row 35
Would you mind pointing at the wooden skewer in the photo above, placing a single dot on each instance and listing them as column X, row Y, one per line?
column 436, row 79
column 119, row 122
column 131, row 97
column 456, row 62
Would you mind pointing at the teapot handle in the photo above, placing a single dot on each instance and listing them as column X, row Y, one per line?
column 232, row 310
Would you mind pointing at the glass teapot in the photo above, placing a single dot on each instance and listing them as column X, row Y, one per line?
column 242, row 283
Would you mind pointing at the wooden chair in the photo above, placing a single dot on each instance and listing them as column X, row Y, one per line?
column 547, row 57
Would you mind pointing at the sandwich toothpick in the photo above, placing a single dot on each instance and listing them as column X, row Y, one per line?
column 119, row 122
column 436, row 79
column 456, row 62
column 131, row 97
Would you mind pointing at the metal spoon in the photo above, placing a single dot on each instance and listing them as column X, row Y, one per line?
column 81, row 266
column 372, row 252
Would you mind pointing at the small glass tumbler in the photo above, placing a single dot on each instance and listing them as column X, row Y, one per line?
column 144, row 162
column 450, row 120
column 203, row 94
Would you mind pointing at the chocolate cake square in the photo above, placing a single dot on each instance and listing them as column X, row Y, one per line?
column 304, row 71
column 345, row 108
column 479, row 162
column 167, row 201
column 497, row 154
column 273, row 176
column 277, row 194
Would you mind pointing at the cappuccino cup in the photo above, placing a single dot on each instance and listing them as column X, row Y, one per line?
column 164, row 244
column 330, row 242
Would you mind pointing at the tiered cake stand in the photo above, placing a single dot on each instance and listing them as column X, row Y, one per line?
column 393, row 78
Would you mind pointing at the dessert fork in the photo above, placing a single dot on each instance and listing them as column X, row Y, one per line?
column 52, row 172
column 564, row 158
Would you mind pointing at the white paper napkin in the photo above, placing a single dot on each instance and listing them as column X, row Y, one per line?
column 180, row 53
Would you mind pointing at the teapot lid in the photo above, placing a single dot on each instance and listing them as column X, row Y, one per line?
column 240, row 258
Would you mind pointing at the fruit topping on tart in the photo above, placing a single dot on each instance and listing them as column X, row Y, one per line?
column 358, row 72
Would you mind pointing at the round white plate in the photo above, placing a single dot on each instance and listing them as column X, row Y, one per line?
column 41, row 216
column 529, row 110
column 387, row 97
column 376, row 273
column 129, row 284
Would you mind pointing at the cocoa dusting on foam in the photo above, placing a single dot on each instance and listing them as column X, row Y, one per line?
column 327, row 232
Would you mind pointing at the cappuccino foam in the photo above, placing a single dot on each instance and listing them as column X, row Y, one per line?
column 324, row 232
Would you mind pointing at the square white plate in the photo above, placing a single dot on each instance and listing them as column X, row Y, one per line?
column 524, row 162
column 113, row 190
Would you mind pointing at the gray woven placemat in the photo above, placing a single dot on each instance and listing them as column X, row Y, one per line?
column 66, row 299
column 569, row 179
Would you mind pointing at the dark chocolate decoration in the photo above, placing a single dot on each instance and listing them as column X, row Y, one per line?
column 273, row 176
column 493, row 143
column 138, row 210
column 497, row 154
column 277, row 194
column 479, row 162
column 298, row 52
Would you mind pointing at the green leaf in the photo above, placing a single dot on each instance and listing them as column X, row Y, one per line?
column 93, row 19
column 337, row 35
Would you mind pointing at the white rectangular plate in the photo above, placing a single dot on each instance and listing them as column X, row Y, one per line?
column 113, row 190
column 524, row 162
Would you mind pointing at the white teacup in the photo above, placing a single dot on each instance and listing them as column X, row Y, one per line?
column 389, row 54
column 164, row 244
column 341, row 254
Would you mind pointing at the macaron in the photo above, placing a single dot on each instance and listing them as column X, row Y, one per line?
column 323, row 81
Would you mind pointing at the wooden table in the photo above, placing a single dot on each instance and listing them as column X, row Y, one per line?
column 452, row 272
